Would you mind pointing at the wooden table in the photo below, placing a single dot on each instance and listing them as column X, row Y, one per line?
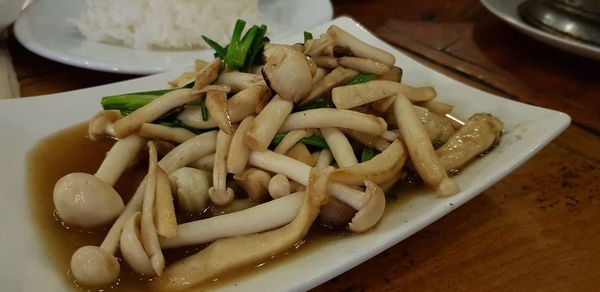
column 536, row 230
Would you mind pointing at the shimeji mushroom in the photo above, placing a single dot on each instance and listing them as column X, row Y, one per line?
column 420, row 149
column 191, row 186
column 131, row 246
column 364, row 65
column 259, row 218
column 326, row 62
column 267, row 122
column 279, row 186
column 330, row 118
column 87, row 200
column 208, row 73
column 358, row 47
column 238, row 150
column 97, row 265
column 351, row 96
column 218, row 108
column 287, row 72
column 219, row 193
column 478, row 134
column 290, row 139
column 255, row 183
column 315, row 47
column 241, row 105
column 369, row 204
column 156, row 131
column 228, row 254
column 239, row 81
column 324, row 86
column 102, row 123
column 339, row 146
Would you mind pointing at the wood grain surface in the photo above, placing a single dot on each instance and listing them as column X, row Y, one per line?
column 536, row 230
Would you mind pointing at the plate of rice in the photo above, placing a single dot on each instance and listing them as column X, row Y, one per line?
column 152, row 36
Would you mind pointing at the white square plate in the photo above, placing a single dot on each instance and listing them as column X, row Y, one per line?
column 25, row 121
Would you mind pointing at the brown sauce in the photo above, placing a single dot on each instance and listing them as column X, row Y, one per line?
column 70, row 151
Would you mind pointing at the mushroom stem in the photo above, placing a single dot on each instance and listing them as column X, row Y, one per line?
column 328, row 117
column 279, row 186
column 339, row 146
column 87, row 200
column 290, row 139
column 369, row 204
column 155, row 131
column 219, row 193
column 239, row 80
column 358, row 47
column 189, row 151
column 325, row 159
column 218, row 107
column 420, row 149
column 148, row 229
column 238, row 150
column 351, row 96
column 118, row 158
column 267, row 122
column 259, row 218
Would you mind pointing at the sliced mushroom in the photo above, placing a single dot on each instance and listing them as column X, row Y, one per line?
column 315, row 47
column 259, row 218
column 241, row 105
column 335, row 78
column 478, row 134
column 364, row 65
column 330, row 118
column 301, row 153
column 255, row 183
column 420, row 149
column 372, row 141
column 164, row 209
column 267, row 122
column 191, row 186
column 394, row 74
column 239, row 81
column 350, row 96
column 287, row 72
column 87, row 200
column 148, row 229
column 439, row 129
column 326, row 62
column 358, row 47
column 208, row 73
column 279, row 186
column 218, row 107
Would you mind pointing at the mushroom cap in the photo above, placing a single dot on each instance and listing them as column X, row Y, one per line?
column 287, row 72
column 94, row 266
column 372, row 210
column 84, row 200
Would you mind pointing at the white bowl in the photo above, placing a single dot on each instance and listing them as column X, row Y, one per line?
column 9, row 10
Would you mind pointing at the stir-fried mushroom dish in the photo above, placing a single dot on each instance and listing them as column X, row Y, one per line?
column 281, row 136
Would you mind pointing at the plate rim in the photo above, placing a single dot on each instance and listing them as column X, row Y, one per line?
column 22, row 33
column 578, row 48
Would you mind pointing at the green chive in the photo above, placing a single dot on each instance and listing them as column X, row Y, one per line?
column 307, row 36
column 361, row 78
column 367, row 154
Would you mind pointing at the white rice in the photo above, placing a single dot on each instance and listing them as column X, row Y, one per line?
column 171, row 24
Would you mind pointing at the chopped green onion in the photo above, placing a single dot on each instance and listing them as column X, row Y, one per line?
column 367, row 154
column 219, row 51
column 204, row 109
column 130, row 101
column 315, row 141
column 323, row 103
column 307, row 36
column 241, row 51
column 361, row 78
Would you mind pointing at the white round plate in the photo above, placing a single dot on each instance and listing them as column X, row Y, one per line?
column 45, row 29
column 507, row 11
